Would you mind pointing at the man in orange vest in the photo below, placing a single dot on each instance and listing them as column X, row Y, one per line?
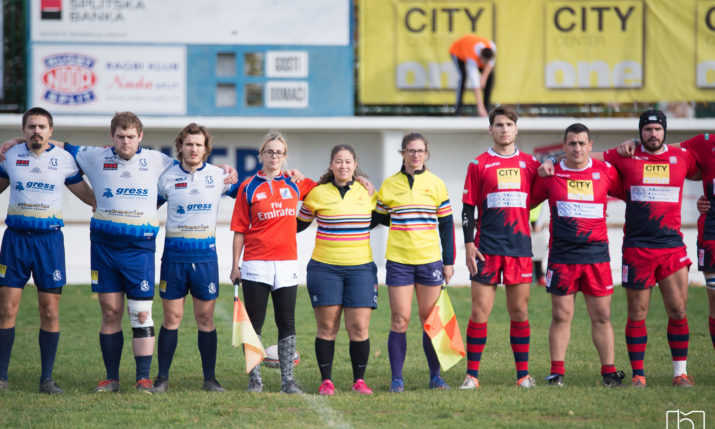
column 475, row 57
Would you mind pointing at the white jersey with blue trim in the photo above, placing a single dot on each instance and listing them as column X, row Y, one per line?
column 126, row 194
column 36, row 183
column 193, row 202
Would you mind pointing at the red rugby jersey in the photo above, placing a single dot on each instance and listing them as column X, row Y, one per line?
column 702, row 148
column 499, row 187
column 265, row 212
column 578, row 201
column 653, row 189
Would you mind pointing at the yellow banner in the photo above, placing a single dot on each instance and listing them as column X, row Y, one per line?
column 594, row 45
column 705, row 51
column 422, row 60
column 548, row 51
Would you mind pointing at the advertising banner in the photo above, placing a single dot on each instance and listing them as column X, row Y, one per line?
column 107, row 79
column 209, row 57
column 241, row 22
column 548, row 51
column 592, row 45
column 705, row 51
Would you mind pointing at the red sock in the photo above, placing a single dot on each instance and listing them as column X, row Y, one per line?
column 476, row 341
column 608, row 369
column 636, row 343
column 678, row 338
column 557, row 367
column 519, row 335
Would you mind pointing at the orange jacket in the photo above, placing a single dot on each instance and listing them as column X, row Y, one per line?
column 469, row 47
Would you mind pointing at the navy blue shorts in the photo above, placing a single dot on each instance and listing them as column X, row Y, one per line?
column 128, row 270
column 352, row 286
column 178, row 278
column 398, row 274
column 41, row 254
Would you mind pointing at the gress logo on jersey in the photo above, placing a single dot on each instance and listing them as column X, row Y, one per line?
column 656, row 173
column 3, row 269
column 95, row 277
column 285, row 194
column 19, row 187
column 509, row 178
column 580, row 190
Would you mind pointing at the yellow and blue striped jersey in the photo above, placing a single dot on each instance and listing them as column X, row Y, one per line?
column 416, row 206
column 343, row 236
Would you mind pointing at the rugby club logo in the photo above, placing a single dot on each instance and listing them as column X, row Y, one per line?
column 69, row 79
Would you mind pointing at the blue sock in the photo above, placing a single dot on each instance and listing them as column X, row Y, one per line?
column 397, row 349
column 7, row 338
column 432, row 360
column 111, row 345
column 166, row 347
column 143, row 366
column 48, row 350
column 207, row 348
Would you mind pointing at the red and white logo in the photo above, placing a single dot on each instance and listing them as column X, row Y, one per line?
column 69, row 79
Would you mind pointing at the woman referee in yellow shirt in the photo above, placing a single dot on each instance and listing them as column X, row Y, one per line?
column 341, row 275
column 420, row 251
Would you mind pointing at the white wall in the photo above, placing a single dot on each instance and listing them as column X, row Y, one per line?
column 453, row 143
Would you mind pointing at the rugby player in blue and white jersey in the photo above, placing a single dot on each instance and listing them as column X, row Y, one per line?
column 123, row 232
column 192, row 190
column 33, row 242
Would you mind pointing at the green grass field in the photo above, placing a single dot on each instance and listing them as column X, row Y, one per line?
column 581, row 403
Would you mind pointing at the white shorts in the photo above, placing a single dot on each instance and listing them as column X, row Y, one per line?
column 278, row 274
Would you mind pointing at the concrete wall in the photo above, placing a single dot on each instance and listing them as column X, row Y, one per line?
column 453, row 143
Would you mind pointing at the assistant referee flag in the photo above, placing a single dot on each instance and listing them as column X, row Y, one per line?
column 442, row 328
column 244, row 334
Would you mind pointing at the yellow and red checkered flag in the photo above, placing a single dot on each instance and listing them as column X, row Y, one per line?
column 442, row 328
column 244, row 334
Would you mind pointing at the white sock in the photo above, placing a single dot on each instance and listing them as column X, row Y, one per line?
column 680, row 367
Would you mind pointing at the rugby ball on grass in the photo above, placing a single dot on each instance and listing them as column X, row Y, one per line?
column 271, row 359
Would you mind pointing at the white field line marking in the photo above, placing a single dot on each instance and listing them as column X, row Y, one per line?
column 330, row 417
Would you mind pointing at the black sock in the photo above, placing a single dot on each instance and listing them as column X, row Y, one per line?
column 324, row 351
column 359, row 354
